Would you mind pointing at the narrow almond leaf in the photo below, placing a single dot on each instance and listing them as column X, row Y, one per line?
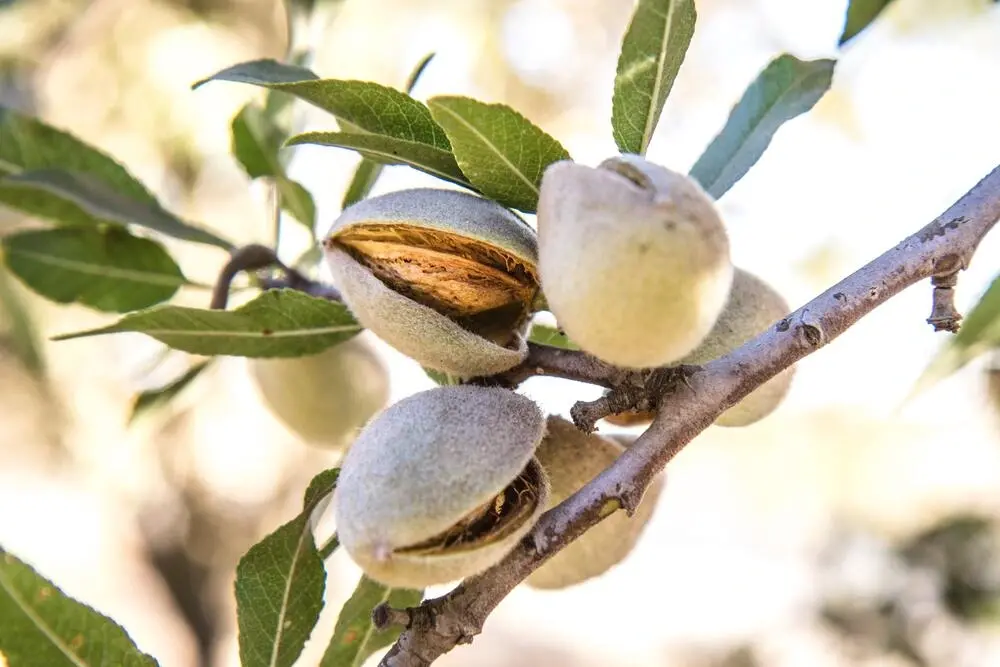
column 278, row 323
column 367, row 106
column 28, row 145
column 652, row 51
column 979, row 334
column 105, row 268
column 442, row 378
column 355, row 637
column 19, row 331
column 788, row 87
column 368, row 171
column 279, row 587
column 500, row 151
column 860, row 13
column 153, row 399
column 40, row 626
column 390, row 150
column 256, row 143
column 546, row 335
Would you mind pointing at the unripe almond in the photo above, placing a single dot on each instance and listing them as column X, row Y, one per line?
column 634, row 259
column 324, row 398
column 441, row 485
column 446, row 277
column 572, row 458
column 752, row 307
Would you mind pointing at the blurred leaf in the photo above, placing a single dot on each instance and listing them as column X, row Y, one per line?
column 979, row 334
column 368, row 171
column 788, row 87
column 19, row 327
column 279, row 587
column 500, row 151
column 355, row 638
column 546, row 335
column 105, row 268
column 390, row 150
column 53, row 175
column 859, row 14
column 278, row 323
column 651, row 55
column 364, row 179
column 296, row 200
column 155, row 398
column 442, row 378
column 367, row 106
column 40, row 626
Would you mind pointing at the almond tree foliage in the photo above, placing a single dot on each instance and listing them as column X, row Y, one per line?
column 102, row 247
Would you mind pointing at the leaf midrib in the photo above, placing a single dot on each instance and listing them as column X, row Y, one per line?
column 246, row 334
column 286, row 594
column 658, row 83
column 39, row 622
column 149, row 278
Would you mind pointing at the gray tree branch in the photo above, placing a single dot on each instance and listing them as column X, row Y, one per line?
column 688, row 403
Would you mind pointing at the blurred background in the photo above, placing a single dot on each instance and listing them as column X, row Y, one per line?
column 857, row 526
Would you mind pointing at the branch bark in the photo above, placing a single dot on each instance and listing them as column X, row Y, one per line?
column 685, row 409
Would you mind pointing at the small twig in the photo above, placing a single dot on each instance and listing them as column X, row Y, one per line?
column 329, row 547
column 248, row 258
column 438, row 625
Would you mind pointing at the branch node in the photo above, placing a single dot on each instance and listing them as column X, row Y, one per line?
column 811, row 330
column 944, row 315
column 384, row 616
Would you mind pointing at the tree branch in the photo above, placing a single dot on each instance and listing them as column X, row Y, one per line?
column 686, row 408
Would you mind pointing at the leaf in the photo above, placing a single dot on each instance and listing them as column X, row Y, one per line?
column 155, row 398
column 364, row 179
column 546, row 335
column 979, row 334
column 279, row 586
column 105, row 268
column 355, row 637
column 390, row 150
column 651, row 55
column 368, row 171
column 788, row 87
column 104, row 204
column 20, row 334
column 500, row 151
column 367, row 106
column 442, row 378
column 860, row 13
column 28, row 145
column 40, row 626
column 278, row 323
column 297, row 202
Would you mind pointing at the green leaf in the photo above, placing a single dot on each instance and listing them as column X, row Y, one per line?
column 278, row 323
column 355, row 637
column 28, row 145
column 19, row 332
column 155, row 398
column 979, row 334
column 390, row 150
column 788, row 87
column 367, row 106
column 651, row 55
column 368, row 171
column 500, row 151
column 860, row 13
column 40, row 626
column 442, row 378
column 105, row 204
column 546, row 335
column 105, row 268
column 364, row 179
column 296, row 200
column 279, row 587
